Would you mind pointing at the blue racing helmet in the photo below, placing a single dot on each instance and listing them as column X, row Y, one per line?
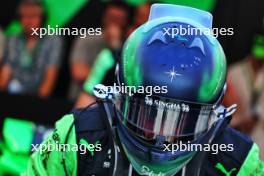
column 173, row 52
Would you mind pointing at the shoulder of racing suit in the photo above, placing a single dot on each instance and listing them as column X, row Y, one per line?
column 91, row 130
column 83, row 143
column 238, row 155
column 55, row 156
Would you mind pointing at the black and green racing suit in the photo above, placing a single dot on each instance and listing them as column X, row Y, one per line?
column 88, row 127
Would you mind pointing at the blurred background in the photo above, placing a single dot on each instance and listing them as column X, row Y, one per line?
column 42, row 79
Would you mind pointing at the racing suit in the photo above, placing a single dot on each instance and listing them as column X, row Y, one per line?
column 91, row 126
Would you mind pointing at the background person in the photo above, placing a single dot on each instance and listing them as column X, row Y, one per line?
column 246, row 82
column 246, row 88
column 140, row 16
column 99, row 75
column 30, row 64
column 103, row 70
column 86, row 50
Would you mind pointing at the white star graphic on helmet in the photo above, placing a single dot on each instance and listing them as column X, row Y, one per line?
column 172, row 73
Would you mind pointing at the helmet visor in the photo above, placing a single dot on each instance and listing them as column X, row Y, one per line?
column 150, row 118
